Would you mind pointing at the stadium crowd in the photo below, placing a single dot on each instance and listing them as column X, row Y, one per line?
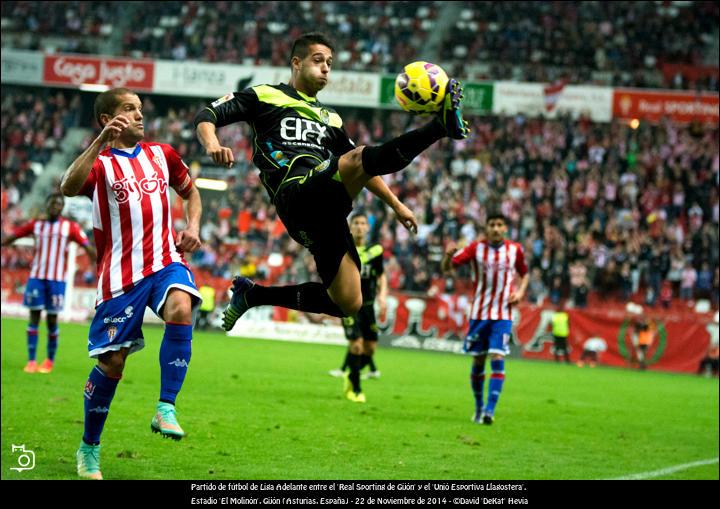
column 581, row 41
column 598, row 207
column 613, row 43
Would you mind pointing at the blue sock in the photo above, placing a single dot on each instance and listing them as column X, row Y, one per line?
column 52, row 345
column 477, row 379
column 99, row 393
column 496, row 383
column 32, row 340
column 175, row 352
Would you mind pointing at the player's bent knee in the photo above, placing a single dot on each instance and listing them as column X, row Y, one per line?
column 112, row 363
column 350, row 305
column 178, row 308
column 354, row 157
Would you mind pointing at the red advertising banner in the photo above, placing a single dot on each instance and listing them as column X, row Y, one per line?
column 654, row 105
column 691, row 73
column 113, row 72
column 680, row 339
column 678, row 344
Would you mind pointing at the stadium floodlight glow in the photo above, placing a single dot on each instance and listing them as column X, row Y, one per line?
column 94, row 87
column 212, row 184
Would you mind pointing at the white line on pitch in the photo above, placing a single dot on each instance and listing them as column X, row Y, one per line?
column 664, row 471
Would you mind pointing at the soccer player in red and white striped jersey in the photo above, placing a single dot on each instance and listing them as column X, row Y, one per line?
column 140, row 262
column 45, row 288
column 496, row 261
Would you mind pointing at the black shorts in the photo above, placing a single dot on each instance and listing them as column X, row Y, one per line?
column 560, row 343
column 361, row 325
column 314, row 209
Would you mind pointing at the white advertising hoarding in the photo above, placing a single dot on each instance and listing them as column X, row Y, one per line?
column 22, row 67
column 533, row 99
column 216, row 80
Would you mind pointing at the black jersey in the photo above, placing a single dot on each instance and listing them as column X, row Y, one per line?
column 371, row 269
column 292, row 132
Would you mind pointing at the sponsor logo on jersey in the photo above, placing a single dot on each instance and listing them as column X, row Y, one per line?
column 223, row 99
column 301, row 129
column 119, row 319
column 131, row 187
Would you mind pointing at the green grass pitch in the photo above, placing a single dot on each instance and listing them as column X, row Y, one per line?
column 257, row 409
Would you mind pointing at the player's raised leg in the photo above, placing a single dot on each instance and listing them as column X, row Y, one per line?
column 309, row 297
column 359, row 165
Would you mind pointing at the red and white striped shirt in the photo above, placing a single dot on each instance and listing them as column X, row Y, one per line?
column 494, row 269
column 51, row 245
column 131, row 213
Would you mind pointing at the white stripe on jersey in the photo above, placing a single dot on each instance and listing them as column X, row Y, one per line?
column 52, row 250
column 42, row 265
column 62, row 250
column 116, row 247
column 174, row 255
column 146, row 193
column 136, row 221
column 157, row 212
column 51, row 240
column 494, row 281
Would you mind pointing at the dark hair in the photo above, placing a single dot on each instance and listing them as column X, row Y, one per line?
column 358, row 214
column 496, row 214
column 108, row 101
column 55, row 194
column 302, row 44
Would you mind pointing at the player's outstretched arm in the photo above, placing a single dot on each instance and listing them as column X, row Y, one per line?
column 6, row 241
column 188, row 239
column 220, row 155
column 92, row 254
column 377, row 186
column 519, row 294
column 382, row 293
column 78, row 172
column 446, row 263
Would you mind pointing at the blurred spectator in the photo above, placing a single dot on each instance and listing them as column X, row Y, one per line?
column 687, row 282
column 579, row 196
column 579, row 42
column 537, row 292
column 710, row 364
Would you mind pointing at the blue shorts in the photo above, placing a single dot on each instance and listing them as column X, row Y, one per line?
column 118, row 322
column 488, row 336
column 45, row 294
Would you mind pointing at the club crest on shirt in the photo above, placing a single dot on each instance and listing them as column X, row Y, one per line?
column 111, row 331
column 324, row 116
column 159, row 161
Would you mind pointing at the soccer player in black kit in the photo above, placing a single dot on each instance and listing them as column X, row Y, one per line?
column 361, row 330
column 312, row 172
